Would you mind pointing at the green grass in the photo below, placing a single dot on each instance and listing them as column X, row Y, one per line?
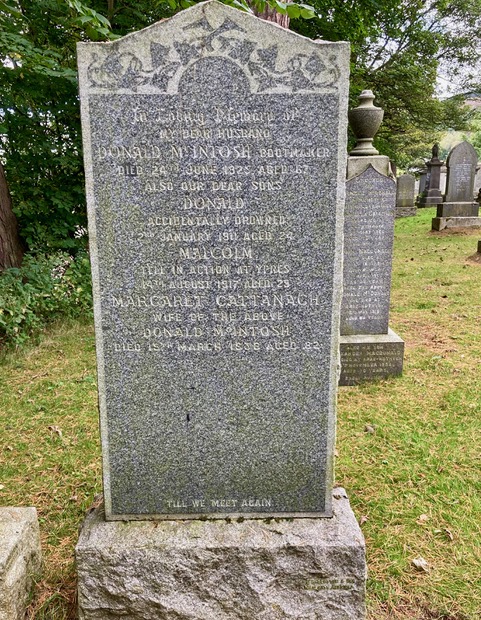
column 49, row 451
column 423, row 458
column 414, row 483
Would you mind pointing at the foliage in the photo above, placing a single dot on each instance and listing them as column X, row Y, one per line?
column 39, row 117
column 397, row 49
column 42, row 290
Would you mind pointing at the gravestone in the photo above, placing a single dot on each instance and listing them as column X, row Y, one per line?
column 215, row 154
column 477, row 180
column 213, row 162
column 422, row 180
column 369, row 349
column 459, row 208
column 405, row 206
column 442, row 180
column 368, row 243
column 20, row 560
column 431, row 193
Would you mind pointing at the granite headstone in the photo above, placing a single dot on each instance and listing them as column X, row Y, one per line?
column 405, row 206
column 369, row 349
column 461, row 172
column 459, row 208
column 368, row 243
column 215, row 161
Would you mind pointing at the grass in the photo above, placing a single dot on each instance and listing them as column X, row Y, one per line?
column 415, row 481
column 49, row 451
column 408, row 448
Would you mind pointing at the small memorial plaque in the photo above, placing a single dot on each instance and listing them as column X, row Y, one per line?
column 214, row 151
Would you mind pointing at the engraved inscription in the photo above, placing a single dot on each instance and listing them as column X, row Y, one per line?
column 215, row 242
column 369, row 361
column 213, row 159
column 368, row 241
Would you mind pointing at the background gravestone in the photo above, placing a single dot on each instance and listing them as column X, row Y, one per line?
column 215, row 163
column 214, row 156
column 368, row 243
column 459, row 208
column 405, row 206
column 430, row 189
column 369, row 349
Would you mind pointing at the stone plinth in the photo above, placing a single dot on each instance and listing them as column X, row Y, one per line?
column 442, row 223
column 20, row 560
column 303, row 569
column 370, row 357
column 406, row 211
column 458, row 209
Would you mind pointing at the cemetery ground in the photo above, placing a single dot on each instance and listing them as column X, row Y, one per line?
column 408, row 448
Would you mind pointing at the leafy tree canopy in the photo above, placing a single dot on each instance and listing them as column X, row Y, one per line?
column 397, row 49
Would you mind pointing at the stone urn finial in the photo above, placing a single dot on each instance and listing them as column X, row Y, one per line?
column 365, row 120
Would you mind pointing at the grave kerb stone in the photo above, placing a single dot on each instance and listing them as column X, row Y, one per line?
column 20, row 560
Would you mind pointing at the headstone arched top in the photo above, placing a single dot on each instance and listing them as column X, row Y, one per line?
column 461, row 165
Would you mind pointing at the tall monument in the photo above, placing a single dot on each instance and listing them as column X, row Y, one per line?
column 215, row 163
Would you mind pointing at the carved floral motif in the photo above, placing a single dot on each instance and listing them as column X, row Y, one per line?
column 124, row 70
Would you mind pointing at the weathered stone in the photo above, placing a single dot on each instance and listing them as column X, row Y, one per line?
column 431, row 193
column 459, row 210
column 368, row 357
column 368, row 243
column 405, row 206
column 303, row 569
column 441, row 223
column 215, row 159
column 422, row 180
column 20, row 560
column 461, row 165
column 368, row 348
column 357, row 165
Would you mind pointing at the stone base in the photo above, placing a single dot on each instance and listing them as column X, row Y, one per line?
column 429, row 201
column 441, row 223
column 405, row 212
column 273, row 569
column 366, row 357
column 20, row 560
column 458, row 209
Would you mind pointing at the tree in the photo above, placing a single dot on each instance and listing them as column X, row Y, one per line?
column 397, row 49
column 39, row 117
column 11, row 250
